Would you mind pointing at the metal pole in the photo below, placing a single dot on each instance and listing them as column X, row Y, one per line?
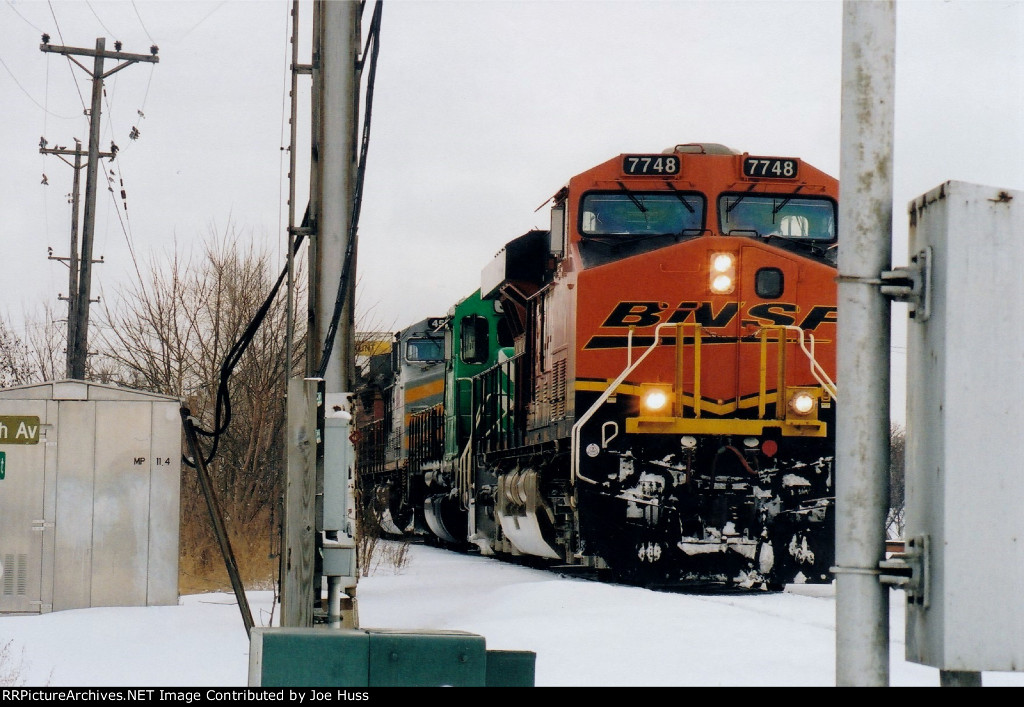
column 865, row 249
column 73, row 264
column 89, row 224
column 314, row 332
column 339, row 99
column 294, row 233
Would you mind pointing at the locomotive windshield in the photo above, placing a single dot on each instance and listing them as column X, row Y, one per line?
column 424, row 350
column 616, row 225
column 794, row 218
column 631, row 213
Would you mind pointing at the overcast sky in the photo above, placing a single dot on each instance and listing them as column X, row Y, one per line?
column 482, row 111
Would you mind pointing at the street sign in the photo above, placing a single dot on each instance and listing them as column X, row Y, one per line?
column 19, row 429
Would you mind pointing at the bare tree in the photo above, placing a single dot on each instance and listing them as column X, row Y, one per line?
column 172, row 335
column 40, row 356
column 897, row 480
column 47, row 343
column 15, row 358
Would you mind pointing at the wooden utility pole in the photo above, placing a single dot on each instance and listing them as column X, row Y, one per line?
column 72, row 258
column 78, row 349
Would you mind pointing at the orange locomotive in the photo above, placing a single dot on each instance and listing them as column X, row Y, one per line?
column 664, row 408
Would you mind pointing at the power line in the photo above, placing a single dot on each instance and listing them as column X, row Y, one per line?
column 74, row 78
column 29, row 95
column 145, row 96
column 196, row 25
column 151, row 40
column 127, row 237
column 89, row 5
column 25, row 19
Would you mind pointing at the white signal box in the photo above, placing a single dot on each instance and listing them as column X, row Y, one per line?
column 965, row 430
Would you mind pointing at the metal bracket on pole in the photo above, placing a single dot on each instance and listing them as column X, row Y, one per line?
column 912, row 285
column 910, row 570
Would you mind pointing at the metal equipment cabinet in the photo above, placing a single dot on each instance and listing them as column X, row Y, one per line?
column 89, row 497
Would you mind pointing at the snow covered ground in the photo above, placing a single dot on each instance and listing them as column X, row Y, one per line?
column 584, row 633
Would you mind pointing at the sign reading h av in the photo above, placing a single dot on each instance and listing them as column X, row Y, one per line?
column 19, row 429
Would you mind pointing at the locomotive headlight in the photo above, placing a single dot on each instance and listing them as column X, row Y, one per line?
column 721, row 262
column 721, row 285
column 654, row 399
column 801, row 402
column 722, row 273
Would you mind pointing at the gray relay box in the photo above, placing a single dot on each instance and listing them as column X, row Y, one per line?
column 89, row 497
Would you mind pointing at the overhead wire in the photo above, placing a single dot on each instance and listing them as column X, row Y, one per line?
column 78, row 89
column 107, row 29
column 25, row 19
column 70, row 67
column 135, row 7
column 127, row 237
column 124, row 220
column 193, row 27
column 31, row 98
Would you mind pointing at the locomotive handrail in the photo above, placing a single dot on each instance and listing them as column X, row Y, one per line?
column 574, row 467
column 465, row 461
column 462, row 465
column 463, row 471
column 816, row 370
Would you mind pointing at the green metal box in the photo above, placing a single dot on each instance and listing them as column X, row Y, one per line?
column 327, row 657
column 426, row 659
column 511, row 668
column 308, row 657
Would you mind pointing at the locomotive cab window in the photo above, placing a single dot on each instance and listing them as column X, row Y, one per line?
column 806, row 219
column 615, row 225
column 423, row 349
column 473, row 340
column 631, row 213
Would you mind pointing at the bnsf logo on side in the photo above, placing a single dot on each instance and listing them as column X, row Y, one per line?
column 645, row 314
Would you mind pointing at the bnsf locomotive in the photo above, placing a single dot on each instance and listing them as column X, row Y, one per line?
column 646, row 388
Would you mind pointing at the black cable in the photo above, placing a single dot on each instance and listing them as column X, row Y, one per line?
column 222, row 411
column 357, row 195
